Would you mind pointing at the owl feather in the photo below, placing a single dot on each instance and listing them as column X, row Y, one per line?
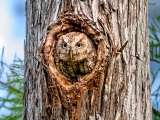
column 75, row 55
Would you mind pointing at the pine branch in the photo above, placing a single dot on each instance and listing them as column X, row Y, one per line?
column 154, row 60
column 5, row 84
column 156, row 112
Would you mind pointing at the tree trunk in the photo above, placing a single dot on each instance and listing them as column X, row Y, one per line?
column 119, row 85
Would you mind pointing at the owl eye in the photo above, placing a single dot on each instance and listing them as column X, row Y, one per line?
column 64, row 45
column 79, row 45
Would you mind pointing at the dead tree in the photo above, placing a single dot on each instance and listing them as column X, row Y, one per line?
column 118, row 85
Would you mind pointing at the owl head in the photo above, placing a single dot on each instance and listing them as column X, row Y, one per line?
column 74, row 46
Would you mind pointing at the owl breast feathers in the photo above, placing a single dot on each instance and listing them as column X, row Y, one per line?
column 75, row 55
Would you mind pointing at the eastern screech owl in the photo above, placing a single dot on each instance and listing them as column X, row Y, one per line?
column 75, row 55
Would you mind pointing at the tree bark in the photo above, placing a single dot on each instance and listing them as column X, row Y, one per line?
column 119, row 86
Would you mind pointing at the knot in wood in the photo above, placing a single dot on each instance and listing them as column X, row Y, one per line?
column 73, row 51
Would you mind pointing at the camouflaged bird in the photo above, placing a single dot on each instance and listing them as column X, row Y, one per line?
column 75, row 55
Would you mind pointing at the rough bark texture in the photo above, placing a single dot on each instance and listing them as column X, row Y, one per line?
column 119, row 86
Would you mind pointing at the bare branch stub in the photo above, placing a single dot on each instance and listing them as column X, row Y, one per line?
column 65, row 26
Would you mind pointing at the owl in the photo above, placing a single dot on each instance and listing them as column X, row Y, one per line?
column 75, row 55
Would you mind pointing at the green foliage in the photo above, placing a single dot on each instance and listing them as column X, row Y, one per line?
column 155, row 39
column 154, row 36
column 14, row 87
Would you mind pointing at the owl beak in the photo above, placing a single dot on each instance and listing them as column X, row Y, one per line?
column 70, row 53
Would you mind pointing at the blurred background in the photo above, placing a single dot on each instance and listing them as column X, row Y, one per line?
column 12, row 36
column 12, row 28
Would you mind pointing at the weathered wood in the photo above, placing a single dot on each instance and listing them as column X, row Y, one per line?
column 119, row 87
